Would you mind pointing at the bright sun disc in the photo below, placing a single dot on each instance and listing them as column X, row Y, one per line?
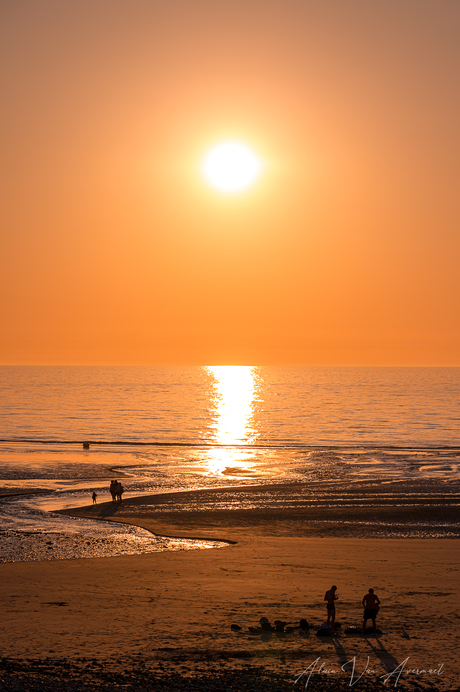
column 231, row 166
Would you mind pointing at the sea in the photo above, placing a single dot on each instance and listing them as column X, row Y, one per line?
column 67, row 431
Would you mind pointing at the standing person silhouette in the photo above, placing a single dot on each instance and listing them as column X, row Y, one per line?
column 94, row 496
column 371, row 604
column 330, row 599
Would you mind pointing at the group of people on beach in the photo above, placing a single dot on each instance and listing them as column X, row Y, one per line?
column 116, row 491
column 370, row 602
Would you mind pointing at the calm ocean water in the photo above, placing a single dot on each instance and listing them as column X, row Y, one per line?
column 163, row 429
column 290, row 405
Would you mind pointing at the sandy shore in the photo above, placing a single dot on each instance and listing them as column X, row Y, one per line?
column 172, row 612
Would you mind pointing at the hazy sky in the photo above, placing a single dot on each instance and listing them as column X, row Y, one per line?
column 114, row 248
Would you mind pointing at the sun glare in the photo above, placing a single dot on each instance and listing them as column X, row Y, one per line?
column 231, row 166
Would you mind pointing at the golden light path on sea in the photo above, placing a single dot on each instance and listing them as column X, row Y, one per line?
column 234, row 399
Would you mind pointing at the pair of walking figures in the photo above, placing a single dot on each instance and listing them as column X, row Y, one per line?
column 116, row 491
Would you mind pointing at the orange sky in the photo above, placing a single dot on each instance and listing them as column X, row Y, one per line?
column 114, row 249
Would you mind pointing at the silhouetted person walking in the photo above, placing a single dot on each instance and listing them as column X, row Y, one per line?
column 330, row 599
column 371, row 605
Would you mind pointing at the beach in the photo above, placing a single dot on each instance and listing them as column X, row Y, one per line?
column 231, row 294
column 165, row 618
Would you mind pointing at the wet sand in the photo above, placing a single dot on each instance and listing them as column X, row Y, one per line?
column 170, row 614
column 363, row 510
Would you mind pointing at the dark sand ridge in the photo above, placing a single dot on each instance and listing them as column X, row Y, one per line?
column 294, row 509
column 175, row 609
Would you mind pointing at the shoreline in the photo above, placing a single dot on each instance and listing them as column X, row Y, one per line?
column 196, row 519
column 284, row 510
column 165, row 618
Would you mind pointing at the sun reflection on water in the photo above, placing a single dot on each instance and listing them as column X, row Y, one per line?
column 234, row 400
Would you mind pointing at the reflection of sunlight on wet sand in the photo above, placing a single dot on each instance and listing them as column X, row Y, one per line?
column 233, row 401
column 231, row 462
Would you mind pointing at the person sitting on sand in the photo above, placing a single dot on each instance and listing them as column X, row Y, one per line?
column 94, row 498
column 330, row 599
column 371, row 605
column 303, row 628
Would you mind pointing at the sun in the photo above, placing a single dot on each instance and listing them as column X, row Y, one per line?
column 231, row 166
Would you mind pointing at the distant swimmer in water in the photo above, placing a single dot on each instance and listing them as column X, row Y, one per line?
column 330, row 599
column 94, row 498
column 371, row 605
